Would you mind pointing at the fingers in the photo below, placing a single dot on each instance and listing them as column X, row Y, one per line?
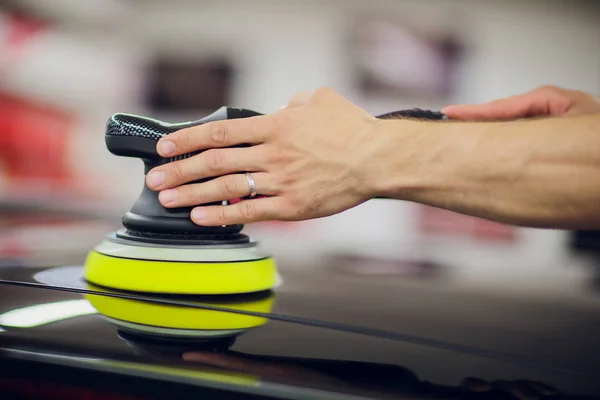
column 503, row 109
column 252, row 130
column 227, row 187
column 244, row 212
column 209, row 163
column 543, row 101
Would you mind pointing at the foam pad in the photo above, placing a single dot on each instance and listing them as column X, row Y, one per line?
column 172, row 277
column 168, row 317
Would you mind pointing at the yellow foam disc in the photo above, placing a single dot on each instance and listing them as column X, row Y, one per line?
column 180, row 277
column 171, row 316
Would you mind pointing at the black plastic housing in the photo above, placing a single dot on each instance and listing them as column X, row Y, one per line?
column 136, row 136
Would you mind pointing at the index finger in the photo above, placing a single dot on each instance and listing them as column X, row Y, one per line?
column 225, row 133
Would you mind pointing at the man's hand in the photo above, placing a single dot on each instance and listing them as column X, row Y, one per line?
column 311, row 159
column 545, row 101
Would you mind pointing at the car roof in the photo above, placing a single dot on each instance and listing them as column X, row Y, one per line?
column 375, row 334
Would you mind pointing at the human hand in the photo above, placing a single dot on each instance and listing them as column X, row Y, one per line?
column 545, row 101
column 311, row 159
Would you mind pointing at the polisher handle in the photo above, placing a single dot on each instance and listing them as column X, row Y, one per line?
column 129, row 135
column 135, row 136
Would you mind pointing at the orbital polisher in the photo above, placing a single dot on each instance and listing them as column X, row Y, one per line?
column 162, row 250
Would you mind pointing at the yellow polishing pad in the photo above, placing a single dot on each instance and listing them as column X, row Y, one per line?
column 179, row 317
column 175, row 277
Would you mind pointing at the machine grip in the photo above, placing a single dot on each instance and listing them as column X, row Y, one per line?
column 135, row 136
column 129, row 135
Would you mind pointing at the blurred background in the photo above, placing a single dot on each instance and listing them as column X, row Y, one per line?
column 67, row 65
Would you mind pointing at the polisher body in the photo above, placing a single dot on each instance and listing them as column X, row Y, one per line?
column 161, row 250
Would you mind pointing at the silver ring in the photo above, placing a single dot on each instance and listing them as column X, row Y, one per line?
column 252, row 184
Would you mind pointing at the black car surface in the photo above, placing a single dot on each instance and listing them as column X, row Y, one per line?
column 326, row 333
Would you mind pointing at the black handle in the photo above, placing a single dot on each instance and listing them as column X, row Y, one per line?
column 136, row 136
column 129, row 135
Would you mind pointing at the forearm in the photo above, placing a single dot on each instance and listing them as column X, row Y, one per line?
column 537, row 173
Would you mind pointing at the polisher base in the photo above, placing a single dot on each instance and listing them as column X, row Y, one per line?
column 182, row 270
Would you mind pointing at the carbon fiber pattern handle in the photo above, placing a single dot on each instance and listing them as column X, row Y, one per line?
column 129, row 135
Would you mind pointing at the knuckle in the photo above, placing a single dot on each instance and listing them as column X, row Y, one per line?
column 310, row 207
column 288, row 214
column 273, row 156
column 215, row 160
column 548, row 89
column 230, row 186
column 186, row 193
column 177, row 172
column 218, row 133
column 285, row 180
column 248, row 210
column 275, row 129
column 183, row 142
column 323, row 92
column 221, row 216
column 300, row 95
column 297, row 213
column 303, row 208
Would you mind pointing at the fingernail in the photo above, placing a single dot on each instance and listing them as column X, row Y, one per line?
column 167, row 196
column 198, row 214
column 156, row 178
column 166, row 147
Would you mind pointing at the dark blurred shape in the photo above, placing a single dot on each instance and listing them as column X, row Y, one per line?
column 189, row 86
column 394, row 58
column 361, row 264
column 587, row 244
column 437, row 222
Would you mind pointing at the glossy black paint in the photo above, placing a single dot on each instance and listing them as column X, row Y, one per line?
column 294, row 359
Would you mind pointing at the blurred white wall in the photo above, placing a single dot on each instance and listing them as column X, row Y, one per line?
column 285, row 47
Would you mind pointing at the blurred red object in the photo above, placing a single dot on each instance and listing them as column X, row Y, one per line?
column 33, row 141
column 20, row 29
column 33, row 137
column 10, row 248
column 436, row 221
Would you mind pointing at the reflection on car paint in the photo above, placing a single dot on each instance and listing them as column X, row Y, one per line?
column 45, row 313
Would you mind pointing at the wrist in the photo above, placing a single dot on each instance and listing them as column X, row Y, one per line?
column 417, row 159
column 395, row 167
